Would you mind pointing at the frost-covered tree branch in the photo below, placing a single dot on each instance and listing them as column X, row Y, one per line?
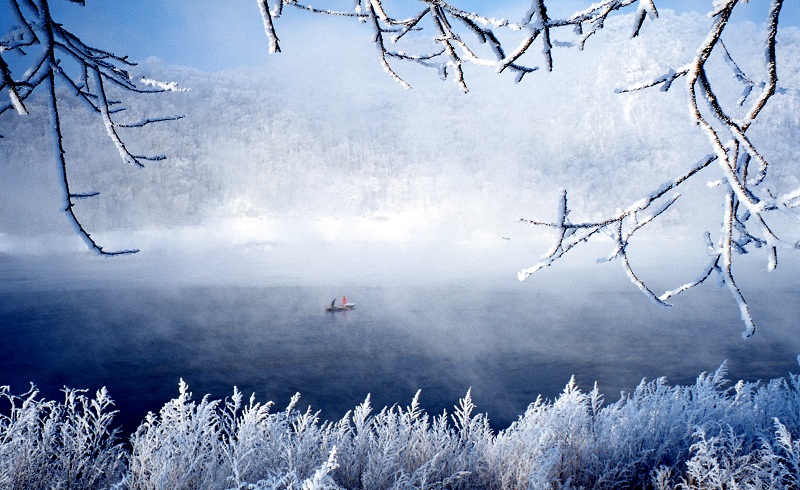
column 462, row 36
column 37, row 51
column 459, row 36
column 746, row 202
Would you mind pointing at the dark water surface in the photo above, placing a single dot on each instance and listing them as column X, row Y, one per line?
column 508, row 343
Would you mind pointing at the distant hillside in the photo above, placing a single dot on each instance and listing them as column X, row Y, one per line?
column 291, row 141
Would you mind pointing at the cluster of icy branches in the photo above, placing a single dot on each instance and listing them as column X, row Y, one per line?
column 747, row 205
column 707, row 435
column 461, row 37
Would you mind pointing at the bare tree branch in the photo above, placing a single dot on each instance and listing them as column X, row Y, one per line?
column 52, row 49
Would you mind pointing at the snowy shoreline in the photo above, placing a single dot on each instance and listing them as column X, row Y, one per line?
column 706, row 435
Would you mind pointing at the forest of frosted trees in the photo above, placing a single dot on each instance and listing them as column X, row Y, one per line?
column 252, row 142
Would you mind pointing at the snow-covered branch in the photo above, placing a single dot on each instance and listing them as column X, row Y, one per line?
column 45, row 53
column 459, row 34
column 746, row 204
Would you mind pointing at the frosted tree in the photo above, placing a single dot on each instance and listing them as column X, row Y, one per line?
column 456, row 37
column 36, row 52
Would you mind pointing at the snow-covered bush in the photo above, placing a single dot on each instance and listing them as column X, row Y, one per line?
column 44, row 444
column 708, row 435
column 180, row 447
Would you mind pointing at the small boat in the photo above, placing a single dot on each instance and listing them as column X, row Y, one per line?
column 335, row 308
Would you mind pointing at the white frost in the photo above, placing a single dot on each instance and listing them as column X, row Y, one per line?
column 166, row 86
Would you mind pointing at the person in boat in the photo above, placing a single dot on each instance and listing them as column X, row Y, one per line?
column 333, row 302
column 344, row 300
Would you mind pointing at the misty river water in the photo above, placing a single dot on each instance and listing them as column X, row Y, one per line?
column 507, row 342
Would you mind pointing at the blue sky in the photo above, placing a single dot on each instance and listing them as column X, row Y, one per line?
column 214, row 35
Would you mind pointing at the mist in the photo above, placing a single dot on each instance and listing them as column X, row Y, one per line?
column 316, row 176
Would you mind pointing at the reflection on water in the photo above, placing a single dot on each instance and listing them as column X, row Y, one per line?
column 507, row 343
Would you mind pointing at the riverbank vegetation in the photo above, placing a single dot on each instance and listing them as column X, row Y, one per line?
column 711, row 434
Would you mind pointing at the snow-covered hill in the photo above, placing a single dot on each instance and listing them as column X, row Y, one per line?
column 299, row 139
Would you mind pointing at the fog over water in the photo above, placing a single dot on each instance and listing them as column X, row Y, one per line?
column 288, row 186
column 245, row 320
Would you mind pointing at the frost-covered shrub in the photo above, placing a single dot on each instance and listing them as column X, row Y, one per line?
column 179, row 448
column 659, row 436
column 44, row 444
column 707, row 435
column 404, row 448
column 547, row 444
column 212, row 444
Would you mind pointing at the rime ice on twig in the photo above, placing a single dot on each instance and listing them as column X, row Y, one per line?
column 458, row 33
column 149, row 120
column 621, row 228
column 269, row 28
